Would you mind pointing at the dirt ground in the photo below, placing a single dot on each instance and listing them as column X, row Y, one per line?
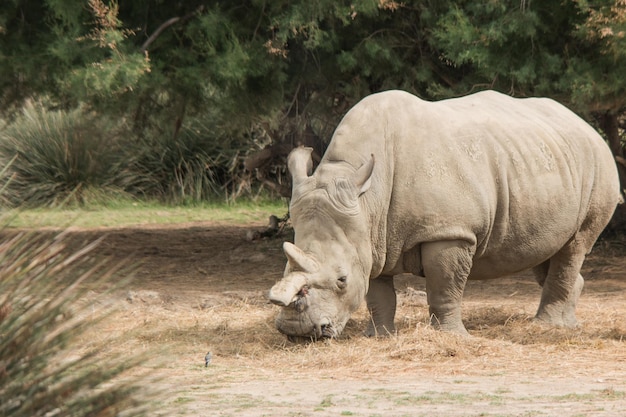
column 202, row 287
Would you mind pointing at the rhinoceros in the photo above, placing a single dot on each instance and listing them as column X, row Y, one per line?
column 475, row 187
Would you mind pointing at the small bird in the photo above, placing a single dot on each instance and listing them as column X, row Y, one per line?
column 207, row 359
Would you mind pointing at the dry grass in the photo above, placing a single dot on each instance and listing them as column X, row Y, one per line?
column 241, row 334
column 201, row 289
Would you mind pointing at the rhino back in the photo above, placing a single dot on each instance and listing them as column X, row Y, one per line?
column 516, row 177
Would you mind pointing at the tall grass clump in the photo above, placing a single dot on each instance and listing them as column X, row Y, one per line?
column 45, row 313
column 61, row 157
column 188, row 166
column 77, row 157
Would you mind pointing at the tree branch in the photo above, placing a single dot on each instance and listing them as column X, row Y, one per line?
column 167, row 24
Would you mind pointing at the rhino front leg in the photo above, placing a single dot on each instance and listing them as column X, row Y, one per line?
column 446, row 266
column 381, row 303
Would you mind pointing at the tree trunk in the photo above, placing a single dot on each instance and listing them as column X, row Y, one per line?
column 609, row 122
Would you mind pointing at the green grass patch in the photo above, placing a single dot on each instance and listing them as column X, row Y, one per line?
column 127, row 213
column 327, row 402
column 182, row 400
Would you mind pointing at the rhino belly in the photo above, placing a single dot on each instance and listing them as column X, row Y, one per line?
column 519, row 253
column 489, row 268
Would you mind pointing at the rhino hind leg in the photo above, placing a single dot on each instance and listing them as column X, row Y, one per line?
column 562, row 284
column 560, row 275
column 446, row 266
column 381, row 303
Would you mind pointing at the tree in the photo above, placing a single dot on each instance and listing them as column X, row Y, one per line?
column 279, row 73
column 572, row 51
column 72, row 53
column 595, row 72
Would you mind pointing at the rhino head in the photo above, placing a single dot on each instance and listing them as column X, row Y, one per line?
column 328, row 267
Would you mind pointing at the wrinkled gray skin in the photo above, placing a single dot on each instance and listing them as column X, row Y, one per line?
column 469, row 188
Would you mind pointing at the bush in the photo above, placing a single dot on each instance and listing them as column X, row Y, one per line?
column 192, row 166
column 76, row 157
column 61, row 157
column 41, row 289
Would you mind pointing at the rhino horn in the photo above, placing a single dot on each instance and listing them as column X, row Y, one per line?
column 299, row 260
column 363, row 175
column 300, row 163
column 285, row 291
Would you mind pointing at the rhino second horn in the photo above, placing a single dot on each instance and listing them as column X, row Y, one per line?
column 285, row 291
column 299, row 260
column 363, row 176
column 300, row 163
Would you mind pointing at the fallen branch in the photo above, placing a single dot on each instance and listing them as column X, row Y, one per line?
column 275, row 228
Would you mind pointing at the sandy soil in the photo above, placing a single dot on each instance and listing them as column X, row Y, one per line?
column 201, row 287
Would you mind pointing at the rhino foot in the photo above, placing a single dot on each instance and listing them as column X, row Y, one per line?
column 557, row 318
column 380, row 331
column 448, row 320
column 560, row 312
column 452, row 326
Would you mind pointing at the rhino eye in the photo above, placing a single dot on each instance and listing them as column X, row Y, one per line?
column 342, row 282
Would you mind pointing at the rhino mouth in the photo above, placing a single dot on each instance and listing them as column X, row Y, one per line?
column 324, row 332
column 296, row 331
column 327, row 331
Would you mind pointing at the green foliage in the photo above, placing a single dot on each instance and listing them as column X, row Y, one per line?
column 61, row 157
column 111, row 79
column 507, row 45
column 571, row 51
column 595, row 71
column 262, row 62
column 42, row 283
column 112, row 66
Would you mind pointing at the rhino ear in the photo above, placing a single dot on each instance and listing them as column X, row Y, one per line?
column 300, row 164
column 298, row 259
column 363, row 176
